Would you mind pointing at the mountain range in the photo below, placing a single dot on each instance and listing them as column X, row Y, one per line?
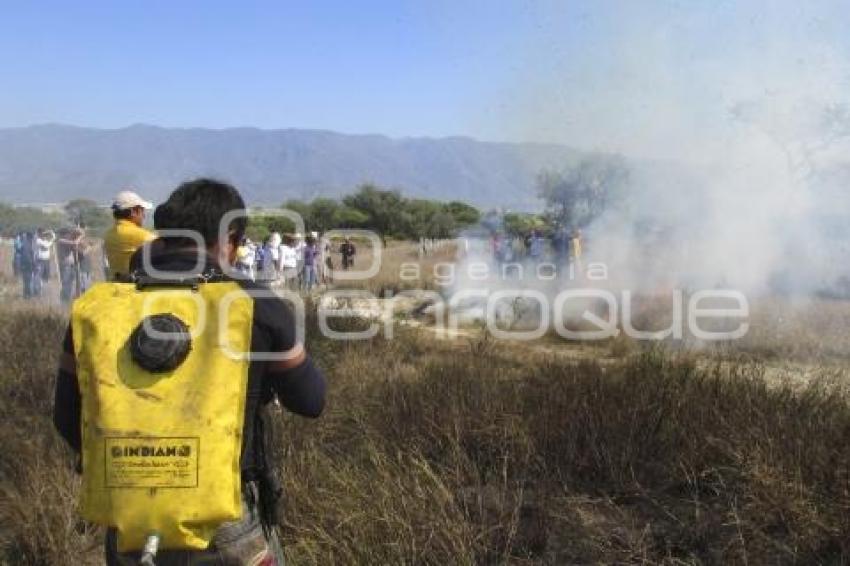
column 54, row 163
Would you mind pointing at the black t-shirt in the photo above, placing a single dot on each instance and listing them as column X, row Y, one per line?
column 300, row 389
column 347, row 249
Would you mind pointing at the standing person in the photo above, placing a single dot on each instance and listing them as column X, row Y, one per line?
column 517, row 247
column 269, row 272
column 535, row 246
column 507, row 249
column 348, row 251
column 273, row 254
column 127, row 235
column 245, row 255
column 36, row 269
column 526, row 244
column 27, row 262
column 327, row 263
column 575, row 252
column 66, row 264
column 298, row 246
column 69, row 247
column 194, row 476
column 258, row 259
column 561, row 247
column 261, row 264
column 498, row 246
column 17, row 246
column 310, row 256
column 321, row 260
column 84, row 257
column 289, row 263
column 43, row 247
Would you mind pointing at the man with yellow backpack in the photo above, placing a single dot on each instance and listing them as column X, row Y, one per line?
column 161, row 389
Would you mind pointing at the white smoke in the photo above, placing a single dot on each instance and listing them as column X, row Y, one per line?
column 736, row 123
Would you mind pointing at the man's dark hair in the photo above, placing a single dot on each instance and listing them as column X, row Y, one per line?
column 200, row 205
column 121, row 213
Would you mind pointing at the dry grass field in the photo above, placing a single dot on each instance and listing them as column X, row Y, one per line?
column 473, row 451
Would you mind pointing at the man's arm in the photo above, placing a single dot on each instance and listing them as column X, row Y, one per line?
column 296, row 380
column 299, row 385
column 148, row 235
column 67, row 404
column 136, row 238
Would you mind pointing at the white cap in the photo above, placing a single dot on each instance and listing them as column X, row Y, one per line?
column 129, row 199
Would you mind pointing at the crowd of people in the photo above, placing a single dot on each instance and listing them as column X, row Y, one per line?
column 563, row 248
column 40, row 253
column 293, row 261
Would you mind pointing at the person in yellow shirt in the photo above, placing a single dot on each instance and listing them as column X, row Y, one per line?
column 126, row 235
column 575, row 252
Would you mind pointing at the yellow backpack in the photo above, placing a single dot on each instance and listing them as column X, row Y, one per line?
column 161, row 446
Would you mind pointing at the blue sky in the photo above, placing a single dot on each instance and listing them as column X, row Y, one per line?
column 633, row 76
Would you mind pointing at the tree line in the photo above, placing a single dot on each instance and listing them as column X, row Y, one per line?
column 77, row 212
column 386, row 212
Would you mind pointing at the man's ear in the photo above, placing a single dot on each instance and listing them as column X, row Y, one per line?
column 228, row 252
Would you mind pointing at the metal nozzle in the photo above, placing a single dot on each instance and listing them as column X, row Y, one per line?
column 150, row 550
